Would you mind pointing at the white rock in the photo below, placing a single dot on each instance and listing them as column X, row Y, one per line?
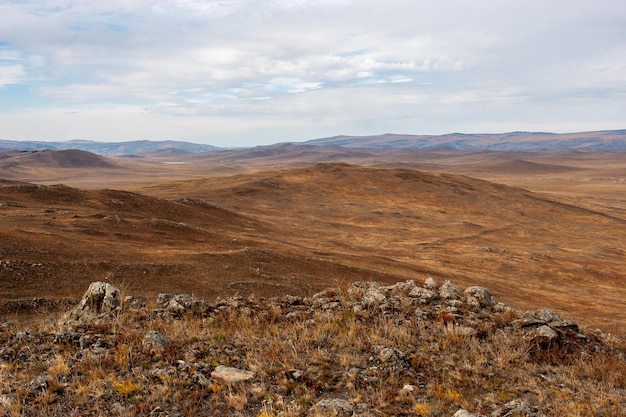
column 231, row 375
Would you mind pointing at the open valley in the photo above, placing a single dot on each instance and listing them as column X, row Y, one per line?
column 538, row 229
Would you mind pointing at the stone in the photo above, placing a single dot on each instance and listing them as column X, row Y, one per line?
column 544, row 335
column 334, row 407
column 464, row 413
column 482, row 295
column 373, row 297
column 101, row 297
column 449, row 291
column 358, row 288
column 423, row 295
column 401, row 288
column 430, row 284
column 408, row 389
column 517, row 408
column 231, row 375
column 154, row 343
column 546, row 316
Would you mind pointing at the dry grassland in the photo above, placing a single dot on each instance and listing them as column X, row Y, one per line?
column 229, row 223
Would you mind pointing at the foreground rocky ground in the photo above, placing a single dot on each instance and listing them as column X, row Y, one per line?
column 366, row 350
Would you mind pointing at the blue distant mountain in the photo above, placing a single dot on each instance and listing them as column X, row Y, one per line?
column 107, row 148
column 600, row 141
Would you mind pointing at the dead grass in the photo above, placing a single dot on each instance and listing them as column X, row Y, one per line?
column 301, row 354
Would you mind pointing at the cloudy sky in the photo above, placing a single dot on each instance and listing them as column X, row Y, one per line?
column 248, row 72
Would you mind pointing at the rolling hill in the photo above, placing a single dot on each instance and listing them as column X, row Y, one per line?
column 303, row 229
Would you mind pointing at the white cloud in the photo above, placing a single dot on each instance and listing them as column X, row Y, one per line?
column 423, row 67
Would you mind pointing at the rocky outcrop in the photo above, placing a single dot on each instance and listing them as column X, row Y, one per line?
column 545, row 329
column 367, row 351
column 101, row 297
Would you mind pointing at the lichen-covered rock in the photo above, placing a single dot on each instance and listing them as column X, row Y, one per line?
column 423, row 295
column 101, row 297
column 400, row 288
column 154, row 343
column 449, row 291
column 482, row 295
column 373, row 297
column 430, row 284
column 544, row 335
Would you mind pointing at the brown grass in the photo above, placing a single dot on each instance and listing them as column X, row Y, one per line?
column 300, row 230
column 301, row 354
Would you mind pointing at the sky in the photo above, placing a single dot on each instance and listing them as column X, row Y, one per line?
column 250, row 72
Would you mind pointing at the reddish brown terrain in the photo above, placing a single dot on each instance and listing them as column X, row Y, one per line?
column 538, row 229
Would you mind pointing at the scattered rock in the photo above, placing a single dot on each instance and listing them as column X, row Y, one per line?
column 434, row 313
column 334, row 407
column 517, row 408
column 231, row 375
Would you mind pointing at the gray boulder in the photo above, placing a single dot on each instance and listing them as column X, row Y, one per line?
column 482, row 295
column 423, row 295
column 430, row 284
column 154, row 343
column 449, row 291
column 101, row 297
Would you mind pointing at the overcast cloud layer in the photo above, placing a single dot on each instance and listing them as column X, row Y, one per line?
column 244, row 72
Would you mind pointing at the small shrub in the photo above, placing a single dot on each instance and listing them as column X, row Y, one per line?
column 126, row 388
column 422, row 409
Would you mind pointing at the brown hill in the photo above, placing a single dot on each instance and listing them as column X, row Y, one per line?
column 71, row 158
column 301, row 230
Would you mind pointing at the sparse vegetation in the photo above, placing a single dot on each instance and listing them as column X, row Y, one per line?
column 265, row 242
column 380, row 351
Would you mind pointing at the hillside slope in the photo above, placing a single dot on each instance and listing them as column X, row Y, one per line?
column 300, row 230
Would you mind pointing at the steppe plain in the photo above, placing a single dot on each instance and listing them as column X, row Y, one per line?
column 540, row 230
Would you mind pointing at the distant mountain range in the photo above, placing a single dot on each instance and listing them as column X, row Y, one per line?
column 598, row 141
column 106, row 148
column 606, row 141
